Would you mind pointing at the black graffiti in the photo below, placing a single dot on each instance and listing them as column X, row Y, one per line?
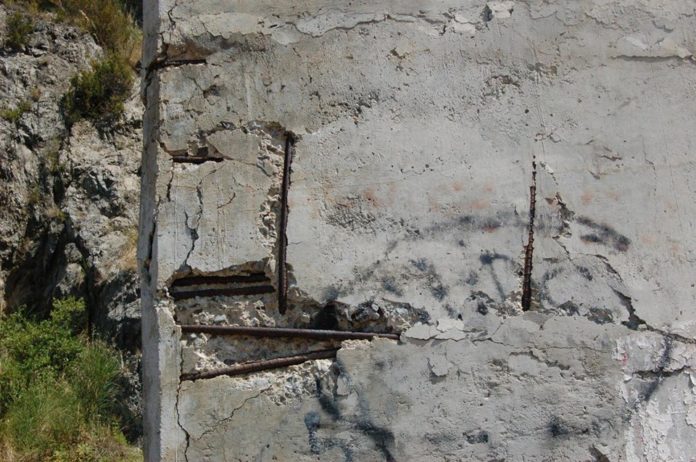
column 604, row 234
column 382, row 438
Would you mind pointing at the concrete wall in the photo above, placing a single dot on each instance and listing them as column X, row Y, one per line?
column 509, row 185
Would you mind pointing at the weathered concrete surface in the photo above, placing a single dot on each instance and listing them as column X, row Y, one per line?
column 416, row 131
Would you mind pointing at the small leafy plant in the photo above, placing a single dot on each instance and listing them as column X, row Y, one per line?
column 99, row 94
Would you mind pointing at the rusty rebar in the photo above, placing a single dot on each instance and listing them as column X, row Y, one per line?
column 228, row 291
column 262, row 365
column 529, row 248
column 285, row 332
column 195, row 159
column 210, row 280
column 283, row 235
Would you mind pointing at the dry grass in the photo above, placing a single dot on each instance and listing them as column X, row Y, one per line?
column 129, row 260
column 108, row 21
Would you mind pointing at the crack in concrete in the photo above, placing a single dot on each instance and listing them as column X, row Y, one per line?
column 547, row 363
column 655, row 59
column 193, row 227
column 163, row 63
column 178, row 414
column 658, row 373
column 193, row 232
column 231, row 416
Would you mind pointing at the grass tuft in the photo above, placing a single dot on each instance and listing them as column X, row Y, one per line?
column 13, row 115
column 58, row 390
column 19, row 28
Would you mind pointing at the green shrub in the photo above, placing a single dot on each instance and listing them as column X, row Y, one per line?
column 13, row 115
column 99, row 94
column 70, row 314
column 58, row 390
column 19, row 27
column 33, row 350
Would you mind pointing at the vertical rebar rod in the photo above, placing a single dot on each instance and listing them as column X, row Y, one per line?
column 529, row 248
column 282, row 234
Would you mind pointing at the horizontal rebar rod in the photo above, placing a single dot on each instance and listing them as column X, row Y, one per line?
column 265, row 364
column 210, row 280
column 284, row 332
column 230, row 291
column 195, row 159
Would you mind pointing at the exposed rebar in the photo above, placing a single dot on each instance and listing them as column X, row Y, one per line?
column 263, row 365
column 210, row 280
column 195, row 159
column 284, row 332
column 228, row 291
column 282, row 234
column 529, row 248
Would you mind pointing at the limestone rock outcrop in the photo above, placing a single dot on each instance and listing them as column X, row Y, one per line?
column 69, row 195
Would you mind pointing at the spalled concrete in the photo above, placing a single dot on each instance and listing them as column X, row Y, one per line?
column 425, row 136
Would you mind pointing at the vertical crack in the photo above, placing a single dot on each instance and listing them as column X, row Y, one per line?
column 529, row 248
column 178, row 414
column 282, row 235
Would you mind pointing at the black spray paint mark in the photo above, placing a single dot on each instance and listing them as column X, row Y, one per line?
column 312, row 420
column 478, row 437
column 381, row 437
column 557, row 427
column 604, row 234
column 487, row 259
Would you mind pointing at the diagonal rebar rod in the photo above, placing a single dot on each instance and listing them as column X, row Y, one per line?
column 262, row 365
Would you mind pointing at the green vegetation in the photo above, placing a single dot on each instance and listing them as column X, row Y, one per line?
column 19, row 27
column 99, row 94
column 58, row 390
column 14, row 114
column 109, row 21
column 51, row 156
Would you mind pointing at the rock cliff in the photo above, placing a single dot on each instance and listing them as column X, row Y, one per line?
column 69, row 194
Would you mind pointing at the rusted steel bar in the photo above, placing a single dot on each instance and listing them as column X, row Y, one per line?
column 284, row 332
column 229, row 291
column 262, row 365
column 210, row 280
column 195, row 159
column 529, row 248
column 282, row 235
